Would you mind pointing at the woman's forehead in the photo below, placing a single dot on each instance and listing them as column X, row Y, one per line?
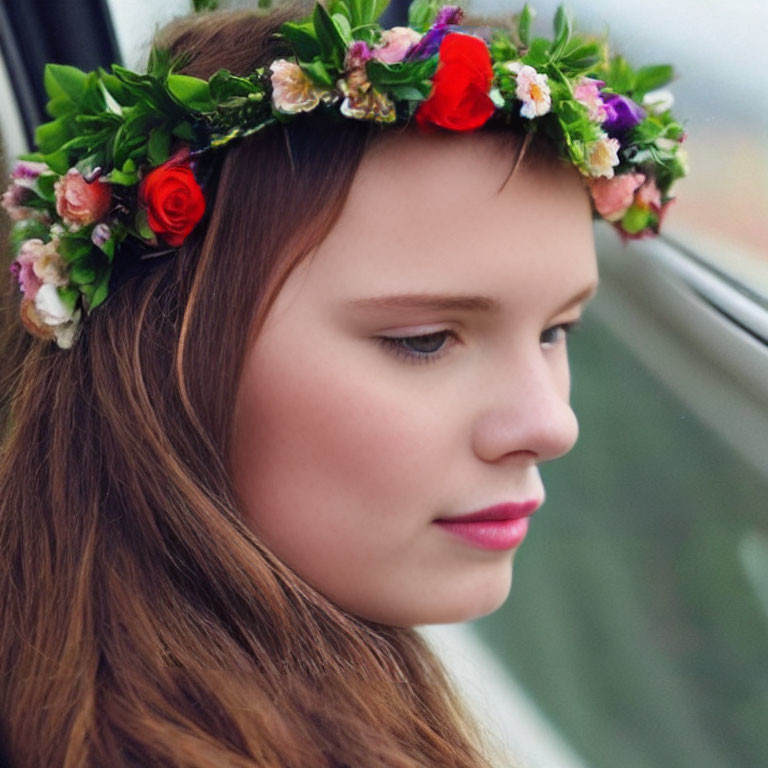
column 434, row 215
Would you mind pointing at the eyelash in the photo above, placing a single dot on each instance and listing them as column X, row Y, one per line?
column 397, row 344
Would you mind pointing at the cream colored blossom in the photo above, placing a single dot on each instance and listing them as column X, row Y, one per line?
column 48, row 266
column 602, row 156
column 533, row 91
column 292, row 89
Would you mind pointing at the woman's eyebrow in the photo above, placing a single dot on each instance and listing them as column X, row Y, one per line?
column 581, row 297
column 447, row 301
column 450, row 301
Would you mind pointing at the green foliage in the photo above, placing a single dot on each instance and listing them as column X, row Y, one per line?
column 124, row 123
column 421, row 14
column 409, row 81
column 524, row 25
column 620, row 77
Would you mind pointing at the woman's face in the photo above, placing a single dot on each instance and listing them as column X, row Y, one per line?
column 348, row 447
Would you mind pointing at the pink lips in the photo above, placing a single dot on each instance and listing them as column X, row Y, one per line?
column 502, row 526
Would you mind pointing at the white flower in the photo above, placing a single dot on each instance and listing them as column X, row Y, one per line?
column 658, row 101
column 67, row 333
column 533, row 91
column 50, row 306
column 602, row 156
column 292, row 89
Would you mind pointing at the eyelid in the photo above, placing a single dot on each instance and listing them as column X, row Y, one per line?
column 568, row 327
column 397, row 345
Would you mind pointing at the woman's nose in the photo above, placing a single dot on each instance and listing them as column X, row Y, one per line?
column 527, row 412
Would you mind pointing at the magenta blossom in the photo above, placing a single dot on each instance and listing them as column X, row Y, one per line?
column 447, row 17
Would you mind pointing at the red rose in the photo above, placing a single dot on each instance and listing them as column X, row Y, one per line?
column 459, row 100
column 173, row 199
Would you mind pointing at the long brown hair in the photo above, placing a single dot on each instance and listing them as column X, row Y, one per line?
column 142, row 622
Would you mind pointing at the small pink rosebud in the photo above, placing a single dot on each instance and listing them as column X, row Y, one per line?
column 612, row 197
column 648, row 196
column 80, row 203
column 395, row 44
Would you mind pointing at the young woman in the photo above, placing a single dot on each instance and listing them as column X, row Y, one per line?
column 227, row 503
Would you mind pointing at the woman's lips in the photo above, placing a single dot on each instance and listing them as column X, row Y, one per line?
column 502, row 526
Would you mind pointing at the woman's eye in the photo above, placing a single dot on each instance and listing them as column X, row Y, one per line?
column 418, row 349
column 558, row 333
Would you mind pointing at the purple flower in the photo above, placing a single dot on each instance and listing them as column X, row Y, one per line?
column 447, row 17
column 358, row 54
column 27, row 171
column 101, row 234
column 621, row 113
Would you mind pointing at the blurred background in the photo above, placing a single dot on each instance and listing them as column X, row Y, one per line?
column 636, row 633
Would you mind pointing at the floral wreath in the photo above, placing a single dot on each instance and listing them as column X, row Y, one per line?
column 120, row 168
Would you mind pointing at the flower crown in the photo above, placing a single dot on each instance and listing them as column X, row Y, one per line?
column 121, row 170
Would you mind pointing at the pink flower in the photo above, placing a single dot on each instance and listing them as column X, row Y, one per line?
column 37, row 264
column 648, row 196
column 588, row 93
column 80, row 203
column 23, row 179
column 358, row 54
column 612, row 197
column 395, row 44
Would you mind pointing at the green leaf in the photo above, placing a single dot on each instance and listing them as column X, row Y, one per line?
column 73, row 248
column 183, row 130
column 339, row 8
column 57, row 161
column 379, row 6
column 159, row 145
column 524, row 24
column 100, row 290
column 26, row 229
column 332, row 45
column 421, row 14
column 61, row 80
column 538, row 53
column 620, row 76
column 81, row 274
column 224, row 85
column 69, row 297
column 562, row 27
column 43, row 186
column 141, row 223
column 652, row 77
column 402, row 73
column 502, row 48
column 192, row 92
column 580, row 56
column 61, row 106
column 116, row 176
column 344, row 27
column 302, row 37
column 52, row 135
column 417, row 92
column 317, row 71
